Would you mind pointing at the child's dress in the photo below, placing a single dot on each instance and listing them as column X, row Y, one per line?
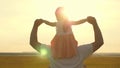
column 64, row 45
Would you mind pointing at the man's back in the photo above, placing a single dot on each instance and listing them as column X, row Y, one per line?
column 84, row 51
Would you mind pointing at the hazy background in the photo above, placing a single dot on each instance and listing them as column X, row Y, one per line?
column 17, row 17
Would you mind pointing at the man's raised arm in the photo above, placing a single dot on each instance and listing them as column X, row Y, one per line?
column 33, row 37
column 97, row 33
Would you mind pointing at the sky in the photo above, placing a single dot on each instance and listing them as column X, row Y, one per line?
column 17, row 18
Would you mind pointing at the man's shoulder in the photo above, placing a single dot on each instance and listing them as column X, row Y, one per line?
column 85, row 49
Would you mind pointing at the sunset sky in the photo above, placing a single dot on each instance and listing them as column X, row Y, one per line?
column 17, row 18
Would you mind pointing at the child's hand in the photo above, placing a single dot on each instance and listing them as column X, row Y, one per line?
column 91, row 20
column 38, row 22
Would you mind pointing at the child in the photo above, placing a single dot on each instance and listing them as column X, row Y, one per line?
column 64, row 44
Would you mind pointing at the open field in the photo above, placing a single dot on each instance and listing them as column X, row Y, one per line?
column 34, row 61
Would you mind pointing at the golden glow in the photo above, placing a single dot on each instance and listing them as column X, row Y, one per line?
column 17, row 19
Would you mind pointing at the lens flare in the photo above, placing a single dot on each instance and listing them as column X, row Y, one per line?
column 43, row 52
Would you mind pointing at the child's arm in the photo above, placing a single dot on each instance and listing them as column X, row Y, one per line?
column 49, row 23
column 79, row 22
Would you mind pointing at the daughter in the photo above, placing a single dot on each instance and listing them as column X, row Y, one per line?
column 64, row 44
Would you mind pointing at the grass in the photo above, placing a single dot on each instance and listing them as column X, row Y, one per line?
column 37, row 62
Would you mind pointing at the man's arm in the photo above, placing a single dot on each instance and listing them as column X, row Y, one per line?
column 33, row 37
column 97, row 33
column 79, row 22
column 49, row 23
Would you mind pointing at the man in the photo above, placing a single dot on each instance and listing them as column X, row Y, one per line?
column 84, row 51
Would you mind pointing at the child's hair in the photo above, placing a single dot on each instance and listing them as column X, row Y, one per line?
column 60, row 13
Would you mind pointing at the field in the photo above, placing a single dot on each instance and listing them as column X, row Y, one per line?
column 34, row 61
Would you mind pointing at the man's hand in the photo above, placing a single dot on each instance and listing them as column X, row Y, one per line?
column 38, row 22
column 91, row 20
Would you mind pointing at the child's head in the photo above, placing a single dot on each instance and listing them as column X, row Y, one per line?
column 60, row 14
